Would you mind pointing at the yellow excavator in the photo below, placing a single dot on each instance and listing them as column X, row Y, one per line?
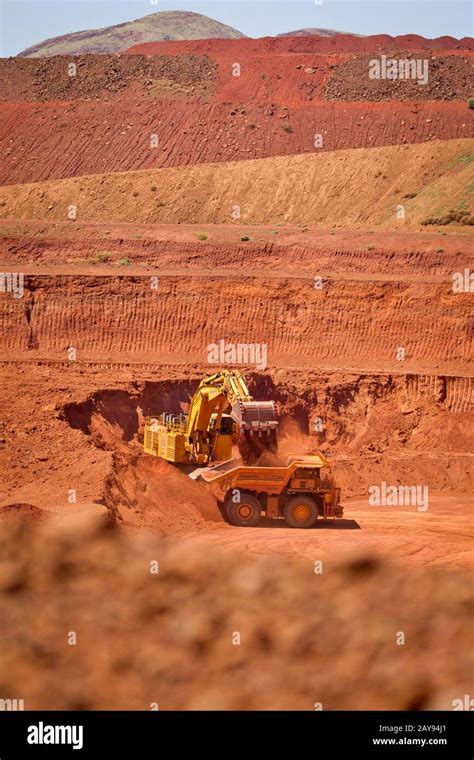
column 206, row 434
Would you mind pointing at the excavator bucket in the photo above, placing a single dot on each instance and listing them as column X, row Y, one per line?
column 258, row 428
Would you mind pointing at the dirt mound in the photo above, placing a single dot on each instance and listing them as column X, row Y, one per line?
column 448, row 78
column 150, row 494
column 104, row 75
column 24, row 513
column 320, row 190
column 202, row 630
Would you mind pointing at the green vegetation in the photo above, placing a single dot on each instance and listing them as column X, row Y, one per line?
column 202, row 236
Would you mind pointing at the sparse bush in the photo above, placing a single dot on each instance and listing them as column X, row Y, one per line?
column 440, row 250
column 101, row 258
column 244, row 238
column 410, row 195
column 458, row 217
column 153, row 188
column 202, row 236
column 124, row 262
column 251, row 126
column 371, row 247
column 287, row 128
column 135, row 193
column 470, row 102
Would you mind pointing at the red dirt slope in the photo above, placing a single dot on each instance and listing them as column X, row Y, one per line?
column 275, row 107
column 341, row 43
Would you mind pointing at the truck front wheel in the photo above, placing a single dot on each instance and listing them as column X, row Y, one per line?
column 247, row 511
column 301, row 512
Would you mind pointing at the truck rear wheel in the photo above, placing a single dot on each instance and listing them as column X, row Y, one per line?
column 301, row 512
column 247, row 511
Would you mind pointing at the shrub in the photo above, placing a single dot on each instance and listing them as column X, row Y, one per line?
column 287, row 127
column 202, row 236
column 244, row 238
column 470, row 102
column 101, row 258
column 124, row 262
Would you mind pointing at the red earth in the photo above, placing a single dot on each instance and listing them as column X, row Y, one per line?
column 274, row 107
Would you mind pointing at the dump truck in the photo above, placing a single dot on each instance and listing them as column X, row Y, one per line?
column 300, row 491
column 206, row 434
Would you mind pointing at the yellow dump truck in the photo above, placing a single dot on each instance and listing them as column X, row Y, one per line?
column 299, row 492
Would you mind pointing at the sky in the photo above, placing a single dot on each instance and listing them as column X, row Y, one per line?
column 26, row 22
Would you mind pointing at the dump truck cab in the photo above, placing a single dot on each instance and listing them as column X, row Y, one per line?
column 300, row 492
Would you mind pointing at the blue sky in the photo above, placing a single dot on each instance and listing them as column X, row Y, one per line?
column 25, row 22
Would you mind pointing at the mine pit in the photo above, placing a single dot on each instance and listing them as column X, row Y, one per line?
column 316, row 412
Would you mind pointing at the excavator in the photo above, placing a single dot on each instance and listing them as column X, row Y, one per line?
column 206, row 434
column 300, row 492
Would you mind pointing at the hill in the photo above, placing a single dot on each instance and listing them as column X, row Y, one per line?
column 318, row 32
column 166, row 25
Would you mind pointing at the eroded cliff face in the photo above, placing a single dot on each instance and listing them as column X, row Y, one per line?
column 412, row 323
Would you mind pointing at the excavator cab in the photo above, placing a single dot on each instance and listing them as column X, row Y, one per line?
column 223, row 437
